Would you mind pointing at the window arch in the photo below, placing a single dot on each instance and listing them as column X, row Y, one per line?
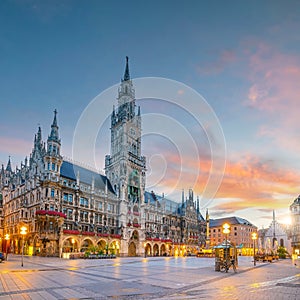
column 281, row 243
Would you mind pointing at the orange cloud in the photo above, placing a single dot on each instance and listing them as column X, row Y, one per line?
column 258, row 184
column 248, row 182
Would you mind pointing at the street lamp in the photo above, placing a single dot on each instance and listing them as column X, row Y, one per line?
column 23, row 232
column 6, row 242
column 254, row 237
column 226, row 231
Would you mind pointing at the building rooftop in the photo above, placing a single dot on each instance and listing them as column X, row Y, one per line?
column 70, row 170
column 229, row 220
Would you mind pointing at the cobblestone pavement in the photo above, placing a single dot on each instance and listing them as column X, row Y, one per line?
column 145, row 278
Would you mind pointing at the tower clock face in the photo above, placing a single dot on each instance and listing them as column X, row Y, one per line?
column 134, row 179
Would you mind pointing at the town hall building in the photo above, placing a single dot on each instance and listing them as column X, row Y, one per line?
column 67, row 208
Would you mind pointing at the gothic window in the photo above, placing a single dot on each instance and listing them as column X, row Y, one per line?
column 84, row 216
column 52, row 193
column 70, row 198
column 69, row 214
column 110, row 207
column 65, row 197
column 48, row 166
column 53, row 166
column 84, row 202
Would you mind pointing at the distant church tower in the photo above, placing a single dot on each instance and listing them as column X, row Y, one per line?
column 125, row 167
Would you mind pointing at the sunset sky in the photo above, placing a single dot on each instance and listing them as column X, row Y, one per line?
column 242, row 57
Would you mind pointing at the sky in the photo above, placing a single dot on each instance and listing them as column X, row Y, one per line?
column 229, row 128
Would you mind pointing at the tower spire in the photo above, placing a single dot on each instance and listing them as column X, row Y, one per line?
column 126, row 73
column 8, row 167
column 54, row 130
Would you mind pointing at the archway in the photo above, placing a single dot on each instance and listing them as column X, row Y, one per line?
column 155, row 250
column 148, row 249
column 132, row 249
column 86, row 243
column 163, row 250
column 114, row 248
column 102, row 246
column 70, row 245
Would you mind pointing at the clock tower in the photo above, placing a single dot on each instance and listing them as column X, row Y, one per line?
column 125, row 166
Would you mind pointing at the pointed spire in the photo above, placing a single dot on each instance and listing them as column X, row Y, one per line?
column 207, row 215
column 38, row 139
column 126, row 74
column 39, row 135
column 273, row 215
column 8, row 167
column 54, row 130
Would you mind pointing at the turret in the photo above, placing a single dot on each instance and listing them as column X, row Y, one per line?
column 53, row 159
column 8, row 166
column 53, row 142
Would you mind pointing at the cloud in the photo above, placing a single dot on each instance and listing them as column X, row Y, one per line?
column 256, row 183
column 275, row 80
column 250, row 181
column 224, row 58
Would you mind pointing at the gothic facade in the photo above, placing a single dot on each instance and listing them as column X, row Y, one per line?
column 277, row 235
column 68, row 208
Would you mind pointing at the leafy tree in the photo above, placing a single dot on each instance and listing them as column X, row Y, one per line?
column 281, row 252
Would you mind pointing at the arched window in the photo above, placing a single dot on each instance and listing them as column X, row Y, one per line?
column 281, row 243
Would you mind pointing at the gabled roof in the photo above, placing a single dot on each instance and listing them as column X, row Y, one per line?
column 229, row 220
column 297, row 200
column 70, row 171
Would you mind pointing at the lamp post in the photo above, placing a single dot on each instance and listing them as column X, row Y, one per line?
column 6, row 242
column 226, row 231
column 254, row 237
column 23, row 232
